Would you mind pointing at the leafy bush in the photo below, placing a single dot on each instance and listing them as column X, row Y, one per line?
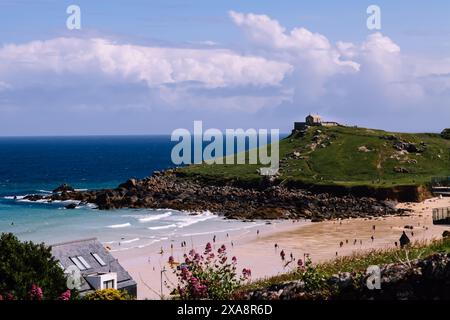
column 108, row 294
column 207, row 276
column 28, row 270
column 311, row 275
column 446, row 133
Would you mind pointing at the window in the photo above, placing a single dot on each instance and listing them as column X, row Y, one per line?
column 99, row 260
column 84, row 262
column 78, row 263
column 108, row 284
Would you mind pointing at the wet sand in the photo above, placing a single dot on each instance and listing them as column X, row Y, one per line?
column 321, row 241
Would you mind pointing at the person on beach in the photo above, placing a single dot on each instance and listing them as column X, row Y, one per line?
column 282, row 255
column 341, row 244
column 354, row 242
column 404, row 240
column 373, row 228
column 214, row 239
column 257, row 232
column 372, row 238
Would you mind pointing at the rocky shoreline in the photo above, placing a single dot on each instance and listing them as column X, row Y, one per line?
column 171, row 190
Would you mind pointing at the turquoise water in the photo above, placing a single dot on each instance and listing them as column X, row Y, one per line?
column 38, row 165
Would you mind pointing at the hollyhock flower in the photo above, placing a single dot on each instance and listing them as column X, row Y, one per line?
column 9, row 296
column 65, row 296
column 1, row 297
column 192, row 252
column 171, row 260
column 234, row 260
column 300, row 263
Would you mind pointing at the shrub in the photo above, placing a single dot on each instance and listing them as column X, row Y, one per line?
column 207, row 275
column 28, row 270
column 446, row 133
column 108, row 294
column 311, row 275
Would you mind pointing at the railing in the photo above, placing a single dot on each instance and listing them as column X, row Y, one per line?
column 441, row 215
column 440, row 181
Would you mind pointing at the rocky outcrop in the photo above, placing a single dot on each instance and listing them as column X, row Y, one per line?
column 427, row 279
column 267, row 201
column 64, row 188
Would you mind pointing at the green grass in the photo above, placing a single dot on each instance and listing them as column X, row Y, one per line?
column 339, row 162
column 360, row 262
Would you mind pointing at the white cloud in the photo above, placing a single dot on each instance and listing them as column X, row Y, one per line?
column 154, row 65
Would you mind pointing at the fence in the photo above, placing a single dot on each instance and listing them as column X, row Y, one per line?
column 441, row 215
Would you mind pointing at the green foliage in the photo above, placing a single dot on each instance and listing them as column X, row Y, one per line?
column 24, row 264
column 446, row 133
column 109, row 294
column 338, row 159
column 314, row 278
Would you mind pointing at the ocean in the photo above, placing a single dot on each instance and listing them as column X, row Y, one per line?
column 37, row 165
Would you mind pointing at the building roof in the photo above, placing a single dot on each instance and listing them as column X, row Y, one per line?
column 90, row 250
column 314, row 116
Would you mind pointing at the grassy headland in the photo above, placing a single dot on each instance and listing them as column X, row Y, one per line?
column 345, row 156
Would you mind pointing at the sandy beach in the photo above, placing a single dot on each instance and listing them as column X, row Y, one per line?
column 256, row 250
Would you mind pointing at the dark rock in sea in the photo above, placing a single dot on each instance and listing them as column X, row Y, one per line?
column 64, row 188
column 130, row 184
column 71, row 206
column 33, row 197
column 446, row 234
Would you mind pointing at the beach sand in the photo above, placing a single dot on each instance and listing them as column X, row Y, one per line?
column 321, row 241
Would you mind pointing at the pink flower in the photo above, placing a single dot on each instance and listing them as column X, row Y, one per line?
column 1, row 297
column 208, row 248
column 300, row 263
column 35, row 292
column 247, row 273
column 222, row 249
column 171, row 260
column 65, row 296
column 234, row 260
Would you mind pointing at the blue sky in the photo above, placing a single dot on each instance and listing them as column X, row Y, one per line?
column 140, row 67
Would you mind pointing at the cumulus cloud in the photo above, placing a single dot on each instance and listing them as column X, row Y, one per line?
column 154, row 65
column 284, row 73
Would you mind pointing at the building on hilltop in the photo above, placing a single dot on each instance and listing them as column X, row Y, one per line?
column 91, row 267
column 313, row 121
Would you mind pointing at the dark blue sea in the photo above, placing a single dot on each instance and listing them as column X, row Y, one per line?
column 30, row 165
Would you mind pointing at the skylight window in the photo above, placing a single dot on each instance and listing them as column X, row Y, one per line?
column 78, row 263
column 99, row 260
column 84, row 262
